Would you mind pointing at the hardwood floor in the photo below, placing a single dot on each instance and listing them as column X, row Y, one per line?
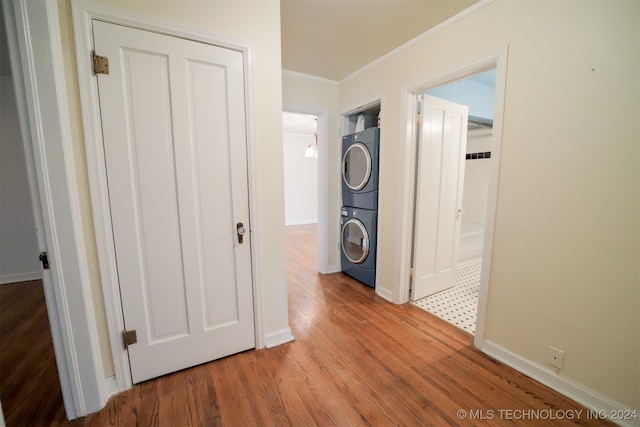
column 29, row 383
column 357, row 360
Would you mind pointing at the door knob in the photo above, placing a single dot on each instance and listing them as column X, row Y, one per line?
column 240, row 230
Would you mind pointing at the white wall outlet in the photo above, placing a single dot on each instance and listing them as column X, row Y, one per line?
column 555, row 357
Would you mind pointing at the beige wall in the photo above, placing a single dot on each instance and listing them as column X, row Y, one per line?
column 254, row 21
column 565, row 266
column 299, row 91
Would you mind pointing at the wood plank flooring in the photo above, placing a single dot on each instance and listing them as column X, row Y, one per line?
column 357, row 361
column 29, row 383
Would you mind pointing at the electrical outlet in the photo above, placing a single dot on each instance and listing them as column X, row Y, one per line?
column 555, row 357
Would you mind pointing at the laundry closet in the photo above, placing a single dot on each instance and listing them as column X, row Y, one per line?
column 360, row 183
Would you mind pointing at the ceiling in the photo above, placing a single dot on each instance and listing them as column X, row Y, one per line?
column 334, row 38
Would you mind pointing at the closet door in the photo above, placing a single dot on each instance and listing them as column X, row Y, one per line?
column 173, row 121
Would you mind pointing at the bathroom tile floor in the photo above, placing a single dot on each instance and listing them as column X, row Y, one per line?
column 457, row 305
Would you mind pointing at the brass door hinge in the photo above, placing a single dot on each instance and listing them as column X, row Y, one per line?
column 129, row 337
column 100, row 64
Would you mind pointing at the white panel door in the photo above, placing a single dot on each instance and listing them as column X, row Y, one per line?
column 173, row 124
column 439, row 185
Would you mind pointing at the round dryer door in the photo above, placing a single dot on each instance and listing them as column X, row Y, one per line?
column 355, row 241
column 356, row 166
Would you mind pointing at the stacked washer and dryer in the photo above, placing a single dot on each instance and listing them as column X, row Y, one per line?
column 359, row 220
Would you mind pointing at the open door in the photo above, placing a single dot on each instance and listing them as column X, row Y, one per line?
column 439, row 184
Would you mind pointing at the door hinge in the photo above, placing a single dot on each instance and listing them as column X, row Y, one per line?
column 100, row 64
column 129, row 337
column 411, row 272
column 44, row 259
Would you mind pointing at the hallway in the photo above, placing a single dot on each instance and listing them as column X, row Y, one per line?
column 357, row 360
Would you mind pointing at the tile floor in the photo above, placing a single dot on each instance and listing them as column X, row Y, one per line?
column 459, row 304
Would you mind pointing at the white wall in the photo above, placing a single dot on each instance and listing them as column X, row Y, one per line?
column 565, row 263
column 18, row 242
column 300, row 180
column 230, row 19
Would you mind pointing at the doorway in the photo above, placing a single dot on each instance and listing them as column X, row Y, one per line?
column 457, row 301
column 301, row 159
column 493, row 60
column 302, row 120
column 29, row 377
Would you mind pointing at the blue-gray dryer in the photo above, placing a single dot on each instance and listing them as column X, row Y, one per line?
column 360, row 160
column 358, row 241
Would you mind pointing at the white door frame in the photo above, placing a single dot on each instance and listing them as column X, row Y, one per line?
column 36, row 61
column 497, row 60
column 323, row 187
column 84, row 13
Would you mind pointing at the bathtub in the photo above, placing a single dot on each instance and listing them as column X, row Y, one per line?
column 471, row 242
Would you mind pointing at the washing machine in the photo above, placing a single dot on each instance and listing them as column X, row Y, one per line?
column 360, row 154
column 358, row 242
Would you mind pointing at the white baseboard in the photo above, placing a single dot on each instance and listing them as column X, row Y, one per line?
column 110, row 387
column 302, row 222
column 274, row 339
column 20, row 277
column 385, row 293
column 567, row 387
column 333, row 269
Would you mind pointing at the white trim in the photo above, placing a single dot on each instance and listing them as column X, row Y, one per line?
column 84, row 13
column 254, row 199
column 276, row 338
column 501, row 58
column 384, row 293
column 309, row 76
column 323, row 179
column 66, row 284
column 20, row 277
column 333, row 269
column 406, row 207
column 496, row 59
column 444, row 24
column 301, row 222
column 565, row 386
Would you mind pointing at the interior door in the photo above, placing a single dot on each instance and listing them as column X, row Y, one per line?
column 173, row 123
column 439, row 184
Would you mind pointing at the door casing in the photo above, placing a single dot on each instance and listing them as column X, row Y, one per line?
column 496, row 59
column 36, row 52
column 84, row 14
